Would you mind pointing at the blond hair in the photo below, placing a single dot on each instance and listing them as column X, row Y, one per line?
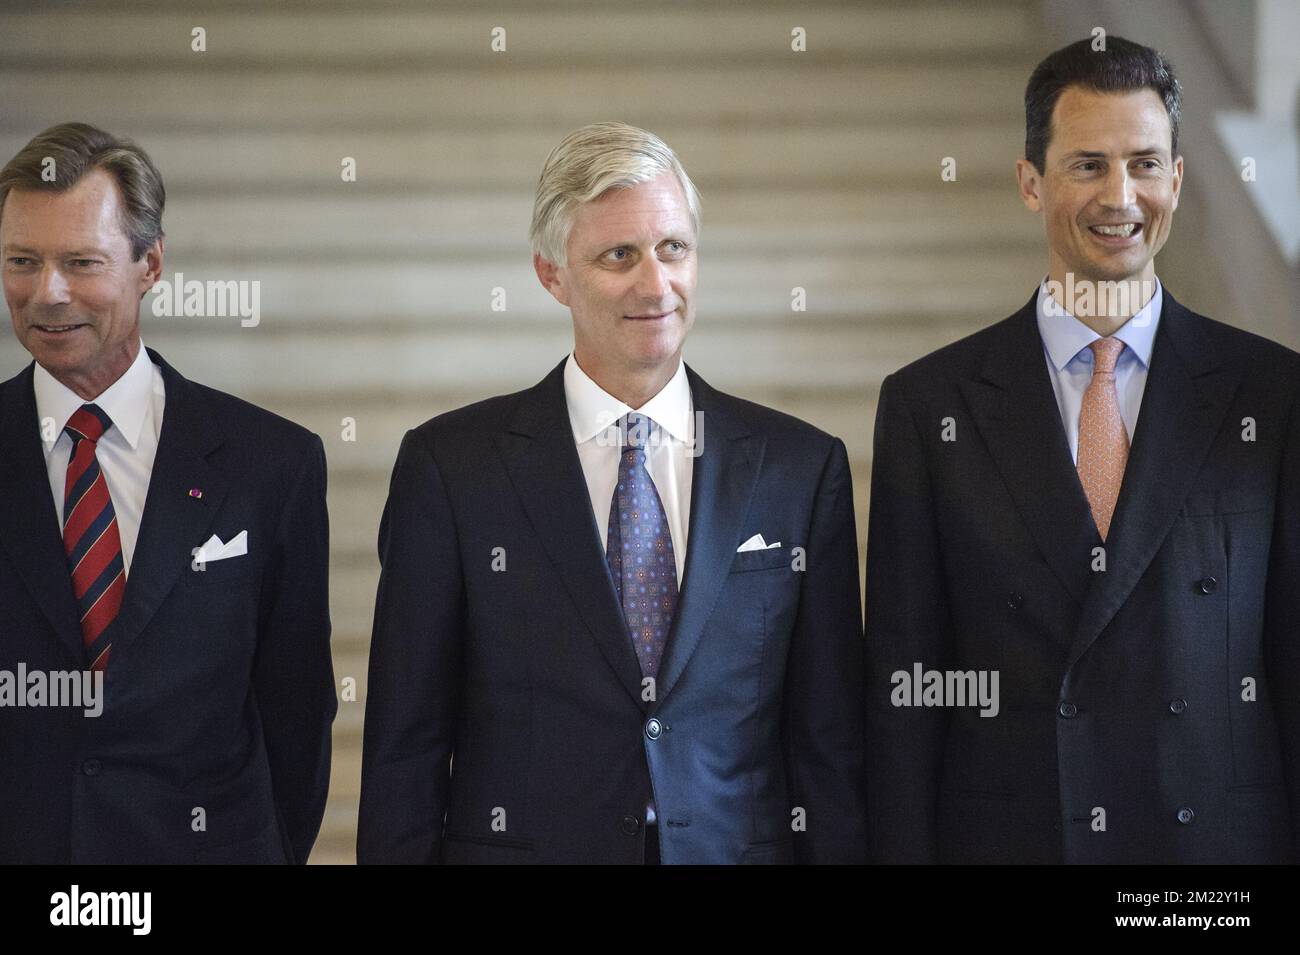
column 585, row 165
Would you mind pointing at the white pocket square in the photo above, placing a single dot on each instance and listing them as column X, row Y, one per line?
column 213, row 549
column 756, row 543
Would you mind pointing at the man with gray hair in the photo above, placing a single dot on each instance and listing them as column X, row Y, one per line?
column 618, row 618
column 167, row 538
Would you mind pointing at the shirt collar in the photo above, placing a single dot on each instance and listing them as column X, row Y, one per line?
column 1064, row 336
column 124, row 401
column 592, row 409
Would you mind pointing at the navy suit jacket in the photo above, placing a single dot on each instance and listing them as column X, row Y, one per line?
column 1148, row 706
column 214, row 741
column 506, row 719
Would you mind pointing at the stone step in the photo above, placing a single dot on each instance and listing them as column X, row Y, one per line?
column 412, row 34
column 941, row 219
column 336, row 844
column 775, row 90
column 276, row 162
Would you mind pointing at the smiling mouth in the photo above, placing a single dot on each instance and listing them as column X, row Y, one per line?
column 647, row 318
column 60, row 329
column 1121, row 230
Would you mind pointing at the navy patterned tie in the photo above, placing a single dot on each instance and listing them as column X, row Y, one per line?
column 639, row 550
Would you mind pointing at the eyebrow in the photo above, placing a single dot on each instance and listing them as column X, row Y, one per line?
column 1092, row 154
column 73, row 253
column 633, row 243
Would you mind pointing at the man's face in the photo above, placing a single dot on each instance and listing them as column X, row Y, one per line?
column 1109, row 187
column 630, row 278
column 72, row 289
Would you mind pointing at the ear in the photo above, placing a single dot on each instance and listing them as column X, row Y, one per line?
column 153, row 265
column 552, row 278
column 1177, row 181
column 1030, row 181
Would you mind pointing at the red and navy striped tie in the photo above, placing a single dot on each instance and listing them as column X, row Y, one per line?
column 90, row 536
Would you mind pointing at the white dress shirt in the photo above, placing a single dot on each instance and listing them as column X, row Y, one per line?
column 134, row 403
column 594, row 415
column 1069, row 361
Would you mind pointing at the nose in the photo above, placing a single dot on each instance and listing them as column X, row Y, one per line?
column 652, row 281
column 1118, row 191
column 51, row 287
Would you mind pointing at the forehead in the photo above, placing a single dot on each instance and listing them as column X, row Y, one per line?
column 647, row 211
column 1085, row 119
column 86, row 214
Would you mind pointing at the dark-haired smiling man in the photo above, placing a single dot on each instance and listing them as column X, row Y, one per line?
column 1097, row 500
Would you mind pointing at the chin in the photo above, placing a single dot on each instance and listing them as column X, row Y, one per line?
column 1108, row 270
column 1118, row 272
column 51, row 355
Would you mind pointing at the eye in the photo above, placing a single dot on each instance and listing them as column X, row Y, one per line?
column 675, row 246
column 1089, row 165
column 84, row 262
column 620, row 254
column 19, row 260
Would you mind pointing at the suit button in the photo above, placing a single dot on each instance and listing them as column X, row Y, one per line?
column 1068, row 710
column 1014, row 601
column 1178, row 705
column 1186, row 816
column 1207, row 585
column 653, row 728
column 91, row 767
column 630, row 825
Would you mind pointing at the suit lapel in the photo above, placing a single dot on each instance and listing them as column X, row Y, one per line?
column 722, row 484
column 30, row 529
column 1015, row 410
column 541, row 459
column 542, row 462
column 1187, row 393
column 173, row 523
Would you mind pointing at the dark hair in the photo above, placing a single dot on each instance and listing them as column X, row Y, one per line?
column 1124, row 66
column 76, row 149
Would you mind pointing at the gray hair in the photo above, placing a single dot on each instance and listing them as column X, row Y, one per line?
column 74, row 149
column 585, row 165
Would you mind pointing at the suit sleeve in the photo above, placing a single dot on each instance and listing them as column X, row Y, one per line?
column 293, row 675
column 415, row 655
column 907, row 622
column 823, row 732
column 1281, row 613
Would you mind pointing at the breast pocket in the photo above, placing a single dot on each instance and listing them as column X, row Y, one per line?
column 216, row 575
column 1227, row 500
column 751, row 560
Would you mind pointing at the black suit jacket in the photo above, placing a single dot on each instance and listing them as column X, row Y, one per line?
column 1123, row 733
column 219, row 692
column 527, row 677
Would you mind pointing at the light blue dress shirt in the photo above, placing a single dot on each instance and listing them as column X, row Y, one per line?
column 1069, row 361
